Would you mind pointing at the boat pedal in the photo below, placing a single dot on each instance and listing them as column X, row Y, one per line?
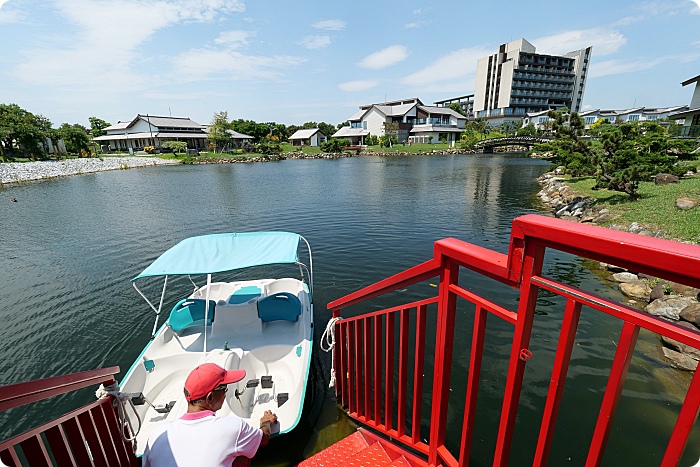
column 137, row 398
column 282, row 397
column 164, row 408
column 252, row 383
column 266, row 382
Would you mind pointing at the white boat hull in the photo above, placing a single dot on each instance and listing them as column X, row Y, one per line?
column 237, row 338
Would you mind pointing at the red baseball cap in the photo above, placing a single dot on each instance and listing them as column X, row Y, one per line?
column 206, row 377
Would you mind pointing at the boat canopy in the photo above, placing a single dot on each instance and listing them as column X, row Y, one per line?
column 208, row 254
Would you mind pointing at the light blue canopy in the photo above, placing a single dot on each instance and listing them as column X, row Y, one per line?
column 208, row 254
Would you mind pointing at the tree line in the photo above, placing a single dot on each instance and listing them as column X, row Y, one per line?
column 24, row 134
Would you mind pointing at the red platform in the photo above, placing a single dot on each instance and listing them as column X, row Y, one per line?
column 361, row 449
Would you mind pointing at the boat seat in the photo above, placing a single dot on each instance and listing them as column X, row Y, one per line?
column 280, row 306
column 244, row 295
column 190, row 312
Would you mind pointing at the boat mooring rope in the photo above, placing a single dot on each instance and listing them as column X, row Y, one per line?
column 329, row 338
column 121, row 400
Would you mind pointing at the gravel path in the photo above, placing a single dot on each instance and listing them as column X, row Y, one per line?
column 24, row 171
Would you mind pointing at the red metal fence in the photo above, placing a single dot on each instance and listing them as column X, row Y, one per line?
column 366, row 358
column 88, row 436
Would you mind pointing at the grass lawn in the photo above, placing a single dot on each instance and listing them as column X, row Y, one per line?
column 655, row 209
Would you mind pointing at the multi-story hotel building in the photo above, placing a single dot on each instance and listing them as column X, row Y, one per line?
column 516, row 80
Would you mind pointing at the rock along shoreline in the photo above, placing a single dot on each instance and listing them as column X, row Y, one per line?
column 16, row 172
column 667, row 300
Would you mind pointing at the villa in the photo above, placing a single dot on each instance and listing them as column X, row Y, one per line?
column 416, row 122
column 307, row 137
column 151, row 130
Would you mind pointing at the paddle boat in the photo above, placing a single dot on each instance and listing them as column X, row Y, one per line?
column 263, row 326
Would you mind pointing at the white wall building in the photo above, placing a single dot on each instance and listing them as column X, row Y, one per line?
column 416, row 122
column 691, row 115
column 307, row 137
column 145, row 130
column 516, row 80
column 637, row 114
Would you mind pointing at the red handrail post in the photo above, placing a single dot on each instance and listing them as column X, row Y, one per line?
column 532, row 265
column 562, row 358
column 613, row 390
column 444, row 341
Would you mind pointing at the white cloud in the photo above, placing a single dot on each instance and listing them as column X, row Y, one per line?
column 416, row 24
column 457, row 64
column 102, row 52
column 385, row 58
column 234, row 39
column 627, row 20
column 315, row 42
column 204, row 64
column 616, row 67
column 10, row 15
column 357, row 85
column 330, row 25
column 605, row 41
column 696, row 7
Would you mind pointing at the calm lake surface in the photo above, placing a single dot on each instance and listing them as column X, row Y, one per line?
column 69, row 247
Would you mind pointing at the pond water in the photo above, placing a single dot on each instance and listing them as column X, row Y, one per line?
column 69, row 247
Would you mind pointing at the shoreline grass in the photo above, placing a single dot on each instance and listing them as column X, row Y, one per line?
column 655, row 209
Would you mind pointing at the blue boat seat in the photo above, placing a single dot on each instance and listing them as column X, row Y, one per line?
column 244, row 294
column 280, row 306
column 190, row 312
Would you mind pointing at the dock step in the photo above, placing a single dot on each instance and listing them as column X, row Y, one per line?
column 355, row 451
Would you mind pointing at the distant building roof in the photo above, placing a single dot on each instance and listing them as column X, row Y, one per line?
column 236, row 135
column 441, row 110
column 347, row 131
column 411, row 100
column 454, row 99
column 691, row 80
column 305, row 134
column 394, row 110
column 358, row 115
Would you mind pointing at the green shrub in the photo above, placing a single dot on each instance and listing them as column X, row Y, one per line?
column 335, row 145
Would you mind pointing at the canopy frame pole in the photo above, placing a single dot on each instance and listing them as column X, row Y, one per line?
column 311, row 268
column 160, row 307
column 206, row 313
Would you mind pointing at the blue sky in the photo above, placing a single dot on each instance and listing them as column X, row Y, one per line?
column 293, row 62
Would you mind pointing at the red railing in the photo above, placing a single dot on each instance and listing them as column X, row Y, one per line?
column 90, row 435
column 365, row 380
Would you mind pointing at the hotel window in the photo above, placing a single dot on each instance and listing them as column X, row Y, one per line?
column 589, row 120
column 633, row 118
column 364, row 125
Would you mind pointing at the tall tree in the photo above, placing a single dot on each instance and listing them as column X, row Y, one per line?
column 391, row 131
column 97, row 126
column 457, row 108
column 75, row 137
column 218, row 131
column 22, row 133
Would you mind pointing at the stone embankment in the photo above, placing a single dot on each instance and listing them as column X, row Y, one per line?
column 13, row 172
column 668, row 300
column 265, row 158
